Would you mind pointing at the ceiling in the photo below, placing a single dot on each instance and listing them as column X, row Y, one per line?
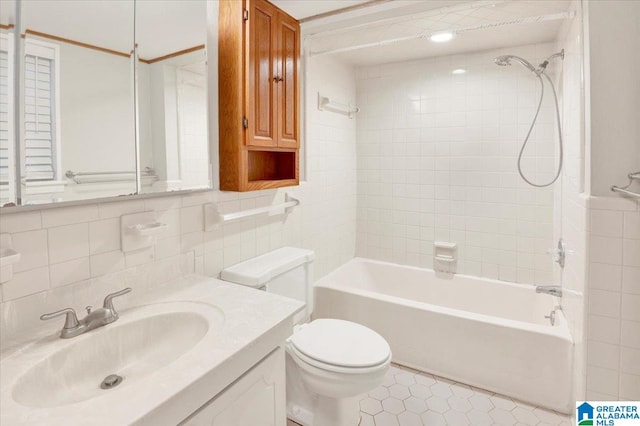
column 162, row 26
column 301, row 9
column 477, row 25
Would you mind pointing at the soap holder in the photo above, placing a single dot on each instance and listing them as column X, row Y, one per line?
column 149, row 229
column 139, row 230
column 8, row 257
column 445, row 257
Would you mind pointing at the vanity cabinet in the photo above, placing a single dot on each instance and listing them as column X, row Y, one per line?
column 256, row 398
column 259, row 57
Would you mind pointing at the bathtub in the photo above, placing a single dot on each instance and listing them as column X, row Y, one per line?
column 485, row 333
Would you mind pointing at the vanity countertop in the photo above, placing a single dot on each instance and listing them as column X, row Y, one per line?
column 251, row 324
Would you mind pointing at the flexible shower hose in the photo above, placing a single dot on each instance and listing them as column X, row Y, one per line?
column 533, row 123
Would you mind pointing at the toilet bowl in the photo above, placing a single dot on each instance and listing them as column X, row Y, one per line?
column 331, row 363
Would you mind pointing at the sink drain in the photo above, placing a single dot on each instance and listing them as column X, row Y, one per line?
column 111, row 381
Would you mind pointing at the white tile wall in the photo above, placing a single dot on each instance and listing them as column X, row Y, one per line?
column 437, row 162
column 613, row 353
column 72, row 256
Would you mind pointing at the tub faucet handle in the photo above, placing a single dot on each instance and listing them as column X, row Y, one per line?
column 559, row 253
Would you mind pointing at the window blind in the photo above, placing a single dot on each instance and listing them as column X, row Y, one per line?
column 6, row 150
column 39, row 141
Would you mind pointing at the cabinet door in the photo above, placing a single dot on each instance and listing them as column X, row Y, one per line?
column 288, row 61
column 261, row 99
column 255, row 399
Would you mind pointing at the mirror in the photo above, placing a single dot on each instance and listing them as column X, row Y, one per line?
column 7, row 104
column 171, row 38
column 104, row 111
column 78, row 137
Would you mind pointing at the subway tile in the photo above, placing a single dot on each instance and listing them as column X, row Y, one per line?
column 68, row 242
column 604, row 303
column 605, row 277
column 630, row 360
column 631, row 252
column 193, row 241
column 32, row 246
column 629, row 387
column 213, row 263
column 119, row 208
column 632, row 225
column 105, row 263
column 25, row 283
column 191, row 219
column 69, row 215
column 167, row 247
column 606, row 223
column 163, row 203
column 630, row 334
column 69, row 272
column 631, row 307
column 20, row 222
column 172, row 219
column 602, row 380
column 104, row 235
column 604, row 329
column 612, row 203
column 630, row 280
column 198, row 198
column 603, row 355
column 606, row 250
column 139, row 257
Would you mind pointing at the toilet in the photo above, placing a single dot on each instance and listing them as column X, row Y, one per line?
column 330, row 362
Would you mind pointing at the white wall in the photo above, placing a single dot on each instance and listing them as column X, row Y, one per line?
column 96, row 111
column 71, row 255
column 437, row 160
column 613, row 336
column 614, row 38
column 570, row 200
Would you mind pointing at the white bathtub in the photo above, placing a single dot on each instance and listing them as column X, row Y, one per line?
column 485, row 333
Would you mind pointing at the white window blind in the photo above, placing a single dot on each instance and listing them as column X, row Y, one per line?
column 7, row 147
column 40, row 162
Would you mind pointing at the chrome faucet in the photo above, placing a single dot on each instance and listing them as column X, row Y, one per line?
column 94, row 319
column 554, row 290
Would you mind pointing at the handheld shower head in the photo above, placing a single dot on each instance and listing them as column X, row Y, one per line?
column 505, row 60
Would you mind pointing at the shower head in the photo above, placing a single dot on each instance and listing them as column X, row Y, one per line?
column 505, row 60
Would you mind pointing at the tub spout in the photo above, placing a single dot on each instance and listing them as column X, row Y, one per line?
column 554, row 290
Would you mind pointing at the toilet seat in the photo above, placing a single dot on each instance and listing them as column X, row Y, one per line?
column 340, row 346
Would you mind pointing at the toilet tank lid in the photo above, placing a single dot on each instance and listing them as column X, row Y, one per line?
column 259, row 270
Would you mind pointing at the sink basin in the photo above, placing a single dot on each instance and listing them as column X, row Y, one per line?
column 140, row 343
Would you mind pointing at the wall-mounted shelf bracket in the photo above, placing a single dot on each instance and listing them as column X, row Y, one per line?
column 8, row 257
column 214, row 217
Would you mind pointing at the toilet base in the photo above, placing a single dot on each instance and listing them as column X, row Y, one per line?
column 310, row 409
column 327, row 412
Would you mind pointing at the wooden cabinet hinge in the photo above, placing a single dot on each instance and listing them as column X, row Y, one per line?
column 245, row 122
column 245, row 14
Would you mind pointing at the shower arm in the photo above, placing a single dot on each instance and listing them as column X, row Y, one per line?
column 543, row 66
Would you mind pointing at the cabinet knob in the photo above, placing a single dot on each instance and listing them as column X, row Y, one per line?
column 278, row 79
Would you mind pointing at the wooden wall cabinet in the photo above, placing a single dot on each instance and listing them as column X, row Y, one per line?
column 258, row 79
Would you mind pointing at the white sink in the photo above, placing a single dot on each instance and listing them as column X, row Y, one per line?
column 141, row 342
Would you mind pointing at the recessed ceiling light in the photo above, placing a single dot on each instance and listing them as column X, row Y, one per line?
column 458, row 71
column 441, row 37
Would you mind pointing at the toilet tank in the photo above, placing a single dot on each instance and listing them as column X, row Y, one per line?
column 287, row 271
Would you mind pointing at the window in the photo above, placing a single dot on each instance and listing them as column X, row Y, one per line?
column 7, row 147
column 41, row 112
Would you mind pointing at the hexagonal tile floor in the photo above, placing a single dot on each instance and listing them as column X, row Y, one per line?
column 411, row 398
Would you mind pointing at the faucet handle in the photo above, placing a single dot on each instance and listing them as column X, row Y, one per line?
column 108, row 301
column 70, row 322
